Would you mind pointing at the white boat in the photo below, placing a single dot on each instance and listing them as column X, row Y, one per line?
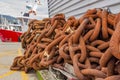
column 10, row 30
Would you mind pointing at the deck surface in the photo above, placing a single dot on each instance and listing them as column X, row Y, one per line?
column 8, row 51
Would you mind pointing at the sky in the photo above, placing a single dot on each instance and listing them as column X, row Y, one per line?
column 15, row 7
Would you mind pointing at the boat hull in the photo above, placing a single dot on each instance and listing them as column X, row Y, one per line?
column 9, row 36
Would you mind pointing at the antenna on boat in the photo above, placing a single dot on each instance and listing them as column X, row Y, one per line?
column 32, row 7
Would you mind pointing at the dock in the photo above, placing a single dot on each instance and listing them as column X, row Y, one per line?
column 8, row 51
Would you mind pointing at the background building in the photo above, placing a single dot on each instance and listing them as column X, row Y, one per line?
column 78, row 7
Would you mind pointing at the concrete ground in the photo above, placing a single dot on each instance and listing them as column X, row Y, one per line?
column 8, row 51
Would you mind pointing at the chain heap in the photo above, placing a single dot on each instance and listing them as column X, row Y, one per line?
column 90, row 44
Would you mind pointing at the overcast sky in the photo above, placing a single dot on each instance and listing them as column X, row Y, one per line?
column 15, row 7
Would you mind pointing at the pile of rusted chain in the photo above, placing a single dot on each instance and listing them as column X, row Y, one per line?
column 90, row 44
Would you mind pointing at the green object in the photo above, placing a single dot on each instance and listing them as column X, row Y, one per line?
column 50, row 74
column 44, row 75
column 39, row 76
